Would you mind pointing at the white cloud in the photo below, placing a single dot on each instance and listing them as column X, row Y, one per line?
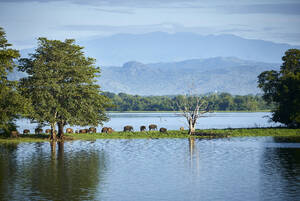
column 26, row 20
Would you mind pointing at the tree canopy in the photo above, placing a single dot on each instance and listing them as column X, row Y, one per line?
column 11, row 103
column 61, row 85
column 283, row 89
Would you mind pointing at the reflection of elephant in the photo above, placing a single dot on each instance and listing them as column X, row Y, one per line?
column 128, row 128
column 152, row 127
column 142, row 128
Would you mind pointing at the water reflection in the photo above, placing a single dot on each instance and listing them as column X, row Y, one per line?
column 152, row 169
column 280, row 169
column 8, row 164
column 51, row 174
column 194, row 156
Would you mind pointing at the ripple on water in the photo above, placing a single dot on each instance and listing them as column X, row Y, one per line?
column 263, row 168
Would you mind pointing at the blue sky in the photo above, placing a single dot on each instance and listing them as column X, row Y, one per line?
column 273, row 20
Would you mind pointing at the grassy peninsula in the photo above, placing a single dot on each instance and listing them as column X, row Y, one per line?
column 205, row 133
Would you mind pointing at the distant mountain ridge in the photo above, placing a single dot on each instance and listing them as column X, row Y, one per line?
column 164, row 47
column 220, row 74
column 170, row 64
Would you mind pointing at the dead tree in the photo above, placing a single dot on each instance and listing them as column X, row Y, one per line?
column 192, row 108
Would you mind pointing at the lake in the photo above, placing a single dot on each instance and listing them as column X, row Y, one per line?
column 173, row 121
column 248, row 168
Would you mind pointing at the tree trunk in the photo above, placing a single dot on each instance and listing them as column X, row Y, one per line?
column 53, row 133
column 60, row 129
column 191, row 127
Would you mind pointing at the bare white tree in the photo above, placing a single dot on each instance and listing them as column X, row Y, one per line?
column 192, row 107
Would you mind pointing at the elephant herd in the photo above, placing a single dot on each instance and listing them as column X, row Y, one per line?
column 152, row 127
column 128, row 128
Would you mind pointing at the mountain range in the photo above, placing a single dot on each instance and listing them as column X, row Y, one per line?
column 164, row 63
column 165, row 47
column 219, row 74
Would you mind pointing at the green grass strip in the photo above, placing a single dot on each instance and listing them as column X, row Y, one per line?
column 203, row 133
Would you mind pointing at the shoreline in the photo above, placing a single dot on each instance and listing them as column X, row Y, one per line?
column 221, row 111
column 201, row 133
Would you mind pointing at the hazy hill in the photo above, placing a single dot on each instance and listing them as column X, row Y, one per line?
column 220, row 74
column 164, row 47
column 231, row 67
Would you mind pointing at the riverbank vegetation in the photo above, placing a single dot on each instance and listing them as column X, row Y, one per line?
column 217, row 102
column 202, row 133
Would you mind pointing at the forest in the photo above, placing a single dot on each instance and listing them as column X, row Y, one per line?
column 216, row 102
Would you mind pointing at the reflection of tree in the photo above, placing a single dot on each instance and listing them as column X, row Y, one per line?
column 281, row 173
column 55, row 174
column 191, row 146
column 194, row 155
column 8, row 168
column 70, row 177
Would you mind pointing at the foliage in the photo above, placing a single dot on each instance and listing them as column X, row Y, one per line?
column 61, row 85
column 283, row 89
column 11, row 103
column 217, row 102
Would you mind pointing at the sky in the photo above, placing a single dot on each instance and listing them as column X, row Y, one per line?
column 26, row 20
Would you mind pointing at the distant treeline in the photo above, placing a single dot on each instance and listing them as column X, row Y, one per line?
column 217, row 102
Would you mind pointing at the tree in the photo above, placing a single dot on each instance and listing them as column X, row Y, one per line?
column 61, row 86
column 191, row 107
column 11, row 103
column 283, row 89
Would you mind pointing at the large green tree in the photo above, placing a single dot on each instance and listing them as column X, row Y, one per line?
column 61, row 86
column 11, row 103
column 283, row 89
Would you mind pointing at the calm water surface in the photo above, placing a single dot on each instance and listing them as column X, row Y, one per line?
column 256, row 168
column 173, row 121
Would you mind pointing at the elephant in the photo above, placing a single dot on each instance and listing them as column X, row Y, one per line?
column 163, row 130
column 92, row 130
column 104, row 130
column 142, row 128
column 26, row 131
column 152, row 127
column 128, row 128
column 110, row 130
column 38, row 131
column 69, row 130
column 83, row 130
